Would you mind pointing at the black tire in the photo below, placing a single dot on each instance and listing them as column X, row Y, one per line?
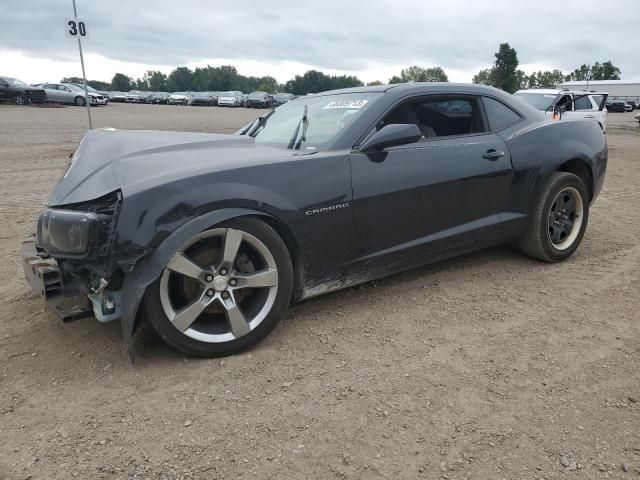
column 80, row 101
column 537, row 241
column 20, row 100
column 157, row 318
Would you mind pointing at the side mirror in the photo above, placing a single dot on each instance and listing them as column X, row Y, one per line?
column 392, row 135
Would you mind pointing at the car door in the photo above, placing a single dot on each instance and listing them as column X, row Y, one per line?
column 66, row 94
column 442, row 192
column 51, row 92
column 582, row 109
column 586, row 108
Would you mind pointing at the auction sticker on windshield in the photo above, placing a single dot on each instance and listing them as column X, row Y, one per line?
column 345, row 104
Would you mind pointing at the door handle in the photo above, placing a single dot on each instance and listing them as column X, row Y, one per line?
column 589, row 116
column 493, row 155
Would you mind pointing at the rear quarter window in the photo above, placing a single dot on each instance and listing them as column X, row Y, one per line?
column 499, row 115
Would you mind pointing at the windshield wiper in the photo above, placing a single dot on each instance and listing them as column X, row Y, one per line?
column 260, row 122
column 304, row 122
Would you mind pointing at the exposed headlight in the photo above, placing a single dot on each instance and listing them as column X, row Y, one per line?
column 65, row 231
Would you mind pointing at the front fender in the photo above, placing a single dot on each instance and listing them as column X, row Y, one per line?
column 150, row 267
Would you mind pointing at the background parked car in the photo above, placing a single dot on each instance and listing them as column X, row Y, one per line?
column 158, row 98
column 71, row 94
column 19, row 92
column 133, row 96
column 259, row 100
column 230, row 99
column 118, row 97
column 178, row 98
column 282, row 98
column 633, row 104
column 572, row 105
column 617, row 106
column 90, row 89
column 203, row 98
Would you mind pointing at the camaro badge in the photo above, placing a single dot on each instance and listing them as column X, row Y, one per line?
column 326, row 209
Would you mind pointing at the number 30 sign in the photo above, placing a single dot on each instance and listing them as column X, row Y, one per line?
column 76, row 28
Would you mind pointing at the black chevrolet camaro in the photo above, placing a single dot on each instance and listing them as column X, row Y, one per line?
column 210, row 237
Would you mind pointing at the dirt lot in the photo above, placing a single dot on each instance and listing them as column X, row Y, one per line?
column 489, row 366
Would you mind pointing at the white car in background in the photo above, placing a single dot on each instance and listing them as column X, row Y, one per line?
column 178, row 98
column 568, row 104
column 230, row 99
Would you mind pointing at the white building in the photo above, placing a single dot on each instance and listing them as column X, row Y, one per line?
column 618, row 89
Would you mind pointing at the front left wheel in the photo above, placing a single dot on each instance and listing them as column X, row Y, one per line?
column 223, row 290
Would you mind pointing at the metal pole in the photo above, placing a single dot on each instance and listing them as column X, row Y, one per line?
column 84, row 76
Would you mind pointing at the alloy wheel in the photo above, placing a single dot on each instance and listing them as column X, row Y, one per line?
column 565, row 218
column 219, row 286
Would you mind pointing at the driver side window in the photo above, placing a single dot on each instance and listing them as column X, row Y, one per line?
column 441, row 116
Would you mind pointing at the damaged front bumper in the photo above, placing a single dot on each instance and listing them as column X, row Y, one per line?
column 47, row 279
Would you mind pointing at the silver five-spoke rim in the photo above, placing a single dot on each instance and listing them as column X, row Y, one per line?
column 565, row 218
column 219, row 286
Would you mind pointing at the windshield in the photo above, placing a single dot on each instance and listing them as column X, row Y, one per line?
column 74, row 87
column 14, row 81
column 326, row 117
column 541, row 101
column 282, row 95
column 257, row 94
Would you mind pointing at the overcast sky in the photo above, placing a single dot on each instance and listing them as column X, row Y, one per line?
column 373, row 39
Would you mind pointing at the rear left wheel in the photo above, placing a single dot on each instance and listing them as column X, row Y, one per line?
column 558, row 219
column 223, row 290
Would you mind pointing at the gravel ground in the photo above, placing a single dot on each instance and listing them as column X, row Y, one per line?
column 489, row 366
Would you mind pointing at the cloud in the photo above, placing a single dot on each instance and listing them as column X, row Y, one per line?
column 365, row 38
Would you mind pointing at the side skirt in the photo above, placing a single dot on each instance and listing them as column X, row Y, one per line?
column 350, row 280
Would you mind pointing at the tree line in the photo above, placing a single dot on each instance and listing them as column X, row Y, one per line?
column 221, row 79
column 504, row 74
column 226, row 78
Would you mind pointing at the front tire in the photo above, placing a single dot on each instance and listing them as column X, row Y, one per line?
column 558, row 219
column 20, row 100
column 223, row 291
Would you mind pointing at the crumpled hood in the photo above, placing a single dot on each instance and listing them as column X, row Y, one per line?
column 132, row 160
